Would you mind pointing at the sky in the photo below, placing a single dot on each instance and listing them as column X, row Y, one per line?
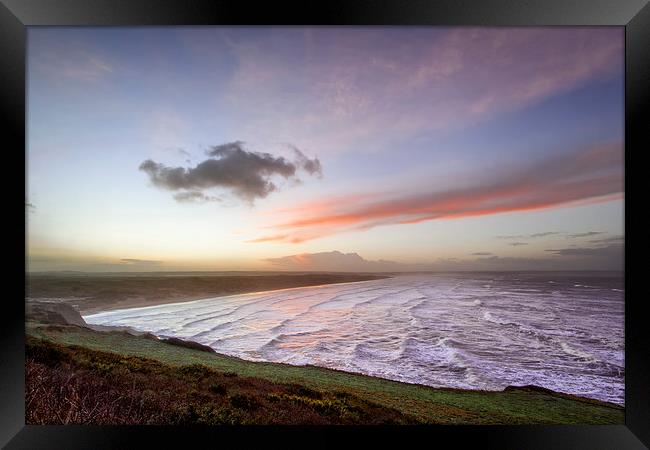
column 325, row 148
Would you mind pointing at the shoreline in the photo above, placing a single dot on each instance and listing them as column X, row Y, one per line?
column 181, row 302
column 95, row 294
column 187, row 343
column 113, row 307
column 432, row 404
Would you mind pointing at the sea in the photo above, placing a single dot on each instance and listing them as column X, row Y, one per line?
column 563, row 331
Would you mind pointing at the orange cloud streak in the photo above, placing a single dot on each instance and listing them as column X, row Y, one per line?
column 591, row 176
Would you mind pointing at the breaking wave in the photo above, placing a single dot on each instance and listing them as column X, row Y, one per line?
column 466, row 330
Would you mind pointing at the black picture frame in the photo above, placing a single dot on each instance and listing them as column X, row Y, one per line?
column 634, row 15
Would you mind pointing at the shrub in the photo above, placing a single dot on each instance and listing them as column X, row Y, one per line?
column 244, row 402
column 197, row 370
column 304, row 391
column 217, row 388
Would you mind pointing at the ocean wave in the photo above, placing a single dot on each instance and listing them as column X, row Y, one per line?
column 365, row 351
column 441, row 353
column 283, row 339
column 490, row 318
column 454, row 331
column 577, row 353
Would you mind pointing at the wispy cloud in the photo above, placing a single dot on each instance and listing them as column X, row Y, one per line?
column 140, row 262
column 530, row 236
column 76, row 64
column 246, row 174
column 611, row 251
column 517, row 244
column 481, row 254
column 194, row 196
column 180, row 152
column 275, row 237
column 609, row 258
column 586, row 234
column 607, row 240
column 400, row 84
column 91, row 68
column 592, row 175
column 167, row 130
column 184, row 152
column 548, row 233
column 311, row 166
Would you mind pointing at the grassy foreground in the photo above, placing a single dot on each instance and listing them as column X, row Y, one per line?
column 175, row 384
column 75, row 385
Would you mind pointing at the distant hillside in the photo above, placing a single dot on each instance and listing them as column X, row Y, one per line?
column 90, row 293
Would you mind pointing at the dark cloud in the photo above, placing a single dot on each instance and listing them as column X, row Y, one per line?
column 547, row 233
column 609, row 258
column 30, row 207
column 225, row 149
column 311, row 166
column 587, row 251
column 517, row 244
column 587, row 234
column 601, row 259
column 607, row 240
column 244, row 173
column 481, row 254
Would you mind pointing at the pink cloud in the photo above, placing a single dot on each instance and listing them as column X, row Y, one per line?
column 585, row 177
column 394, row 88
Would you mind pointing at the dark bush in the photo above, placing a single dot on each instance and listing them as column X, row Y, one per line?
column 197, row 370
column 304, row 391
column 218, row 389
column 244, row 402
column 47, row 353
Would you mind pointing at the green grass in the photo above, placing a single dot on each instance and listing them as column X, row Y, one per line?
column 426, row 404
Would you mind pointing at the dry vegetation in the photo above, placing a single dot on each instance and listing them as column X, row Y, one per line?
column 75, row 385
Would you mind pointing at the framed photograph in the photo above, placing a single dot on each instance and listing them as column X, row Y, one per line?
column 403, row 220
